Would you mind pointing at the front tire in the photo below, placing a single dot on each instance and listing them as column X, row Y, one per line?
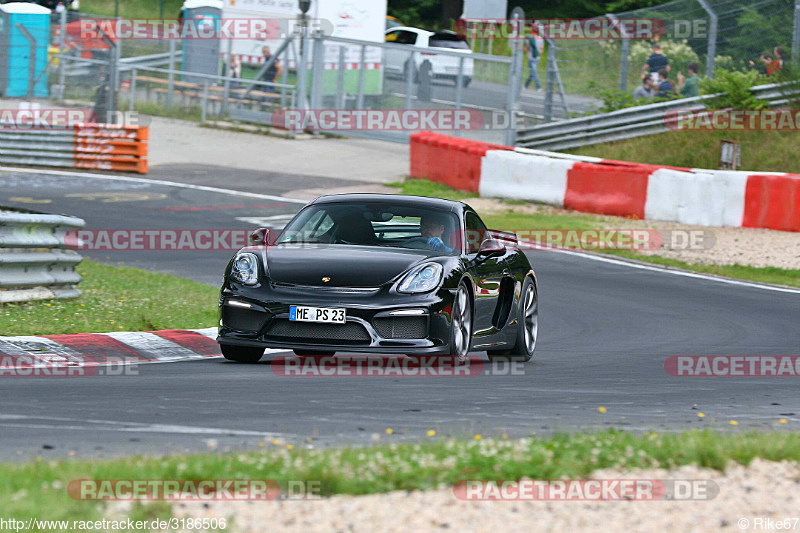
column 527, row 327
column 241, row 354
column 461, row 322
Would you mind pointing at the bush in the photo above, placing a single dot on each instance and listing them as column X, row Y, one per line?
column 733, row 87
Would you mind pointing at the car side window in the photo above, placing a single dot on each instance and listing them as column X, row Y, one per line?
column 476, row 229
column 406, row 37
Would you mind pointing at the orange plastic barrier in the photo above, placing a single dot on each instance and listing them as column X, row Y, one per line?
column 111, row 147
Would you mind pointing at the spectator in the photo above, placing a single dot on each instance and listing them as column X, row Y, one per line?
column 645, row 90
column 235, row 71
column 665, row 88
column 777, row 65
column 689, row 87
column 533, row 47
column 274, row 71
column 761, row 66
column 769, row 66
column 656, row 62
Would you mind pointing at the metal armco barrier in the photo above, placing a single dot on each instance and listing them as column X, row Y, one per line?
column 34, row 261
column 86, row 146
column 631, row 122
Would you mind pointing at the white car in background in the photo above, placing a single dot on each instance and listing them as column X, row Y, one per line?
column 426, row 43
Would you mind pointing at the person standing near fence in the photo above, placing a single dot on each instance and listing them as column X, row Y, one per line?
column 274, row 72
column 656, row 62
column 689, row 87
column 534, row 47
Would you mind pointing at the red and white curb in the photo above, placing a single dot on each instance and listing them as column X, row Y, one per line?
column 124, row 347
column 687, row 195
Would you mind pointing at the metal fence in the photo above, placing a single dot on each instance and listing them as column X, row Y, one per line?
column 713, row 33
column 333, row 73
column 34, row 261
column 632, row 122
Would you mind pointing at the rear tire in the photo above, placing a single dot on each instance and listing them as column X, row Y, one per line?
column 241, row 354
column 527, row 327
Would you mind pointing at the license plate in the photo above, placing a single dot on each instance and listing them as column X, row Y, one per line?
column 326, row 315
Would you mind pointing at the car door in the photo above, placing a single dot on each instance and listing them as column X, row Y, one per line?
column 395, row 59
column 487, row 273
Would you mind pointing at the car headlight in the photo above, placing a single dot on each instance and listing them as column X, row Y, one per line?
column 245, row 269
column 423, row 278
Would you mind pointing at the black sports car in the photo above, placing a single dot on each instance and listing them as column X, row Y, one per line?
column 384, row 274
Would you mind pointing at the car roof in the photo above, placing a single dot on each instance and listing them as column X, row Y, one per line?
column 401, row 199
column 409, row 28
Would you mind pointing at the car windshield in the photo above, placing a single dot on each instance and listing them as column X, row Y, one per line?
column 375, row 224
column 448, row 40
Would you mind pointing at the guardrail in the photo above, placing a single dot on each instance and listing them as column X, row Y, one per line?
column 34, row 261
column 85, row 146
column 152, row 60
column 630, row 122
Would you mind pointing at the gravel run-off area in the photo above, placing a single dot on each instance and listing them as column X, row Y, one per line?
column 763, row 490
column 729, row 245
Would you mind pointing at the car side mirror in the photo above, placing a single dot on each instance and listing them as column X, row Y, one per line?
column 263, row 236
column 491, row 248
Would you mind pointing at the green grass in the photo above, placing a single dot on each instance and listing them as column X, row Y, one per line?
column 116, row 299
column 137, row 9
column 431, row 189
column 777, row 276
column 38, row 488
column 761, row 151
column 567, row 220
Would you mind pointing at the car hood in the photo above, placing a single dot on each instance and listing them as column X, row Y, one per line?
column 346, row 266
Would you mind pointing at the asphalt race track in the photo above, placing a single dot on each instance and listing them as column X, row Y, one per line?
column 606, row 329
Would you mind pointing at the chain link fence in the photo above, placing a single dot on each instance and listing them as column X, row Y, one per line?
column 147, row 75
column 735, row 32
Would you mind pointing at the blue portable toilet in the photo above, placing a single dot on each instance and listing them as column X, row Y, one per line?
column 201, row 55
column 16, row 56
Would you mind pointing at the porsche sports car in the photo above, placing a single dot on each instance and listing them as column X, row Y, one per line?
column 382, row 274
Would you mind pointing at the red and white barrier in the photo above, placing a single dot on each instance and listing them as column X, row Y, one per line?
column 621, row 188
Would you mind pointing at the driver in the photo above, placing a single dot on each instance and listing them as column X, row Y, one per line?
column 432, row 228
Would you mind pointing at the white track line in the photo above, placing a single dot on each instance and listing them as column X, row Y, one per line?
column 663, row 270
column 113, row 425
column 155, row 182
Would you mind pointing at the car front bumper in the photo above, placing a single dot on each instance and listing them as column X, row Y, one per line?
column 378, row 320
